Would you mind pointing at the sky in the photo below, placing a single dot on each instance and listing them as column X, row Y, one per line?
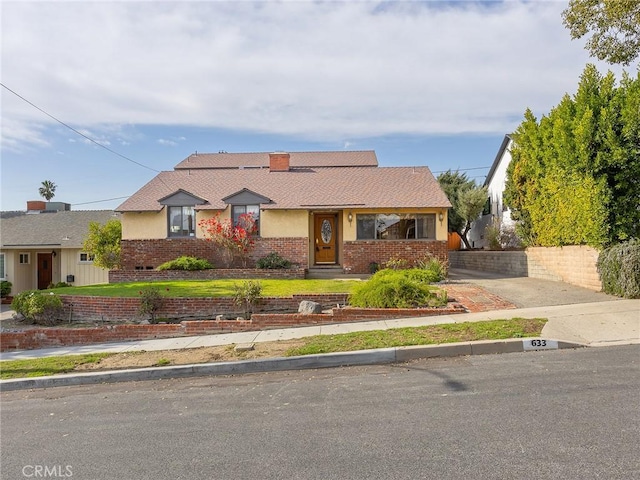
column 99, row 96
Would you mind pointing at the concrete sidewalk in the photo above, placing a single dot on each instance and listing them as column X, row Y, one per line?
column 595, row 324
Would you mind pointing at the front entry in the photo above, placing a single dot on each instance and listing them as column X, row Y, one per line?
column 45, row 270
column 325, row 238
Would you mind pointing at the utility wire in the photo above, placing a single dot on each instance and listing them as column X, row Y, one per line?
column 100, row 201
column 461, row 169
column 76, row 131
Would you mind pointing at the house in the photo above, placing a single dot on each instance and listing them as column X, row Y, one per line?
column 43, row 245
column 317, row 209
column 496, row 210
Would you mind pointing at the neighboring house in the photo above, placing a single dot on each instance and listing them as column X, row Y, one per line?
column 43, row 245
column 336, row 209
column 495, row 211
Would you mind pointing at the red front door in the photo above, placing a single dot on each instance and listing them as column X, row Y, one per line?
column 325, row 237
column 45, row 270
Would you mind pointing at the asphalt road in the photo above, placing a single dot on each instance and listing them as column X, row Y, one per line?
column 565, row 414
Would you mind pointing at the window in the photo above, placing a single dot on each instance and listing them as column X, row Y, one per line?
column 2, row 276
column 181, row 222
column 86, row 257
column 23, row 259
column 396, row 227
column 253, row 210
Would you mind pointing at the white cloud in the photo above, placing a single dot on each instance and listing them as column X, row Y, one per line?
column 167, row 143
column 319, row 70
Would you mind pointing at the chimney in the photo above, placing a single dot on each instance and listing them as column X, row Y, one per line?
column 36, row 205
column 279, row 162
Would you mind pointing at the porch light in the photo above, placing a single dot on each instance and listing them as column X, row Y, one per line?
column 441, row 217
column 350, row 217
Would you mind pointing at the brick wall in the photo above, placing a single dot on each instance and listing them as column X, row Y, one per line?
column 574, row 264
column 359, row 254
column 148, row 254
column 120, row 276
column 57, row 337
column 109, row 309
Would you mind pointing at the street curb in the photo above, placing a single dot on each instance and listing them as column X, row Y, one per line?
column 326, row 360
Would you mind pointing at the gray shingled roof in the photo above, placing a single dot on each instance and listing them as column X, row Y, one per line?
column 379, row 187
column 364, row 158
column 66, row 229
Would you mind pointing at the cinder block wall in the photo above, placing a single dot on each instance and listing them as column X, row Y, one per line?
column 508, row 262
column 574, row 264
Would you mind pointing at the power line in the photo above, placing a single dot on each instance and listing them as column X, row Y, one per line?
column 100, row 201
column 461, row 169
column 76, row 131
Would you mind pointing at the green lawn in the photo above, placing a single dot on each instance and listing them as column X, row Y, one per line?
column 428, row 335
column 43, row 367
column 211, row 288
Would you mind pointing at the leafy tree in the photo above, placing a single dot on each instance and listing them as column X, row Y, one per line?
column 235, row 241
column 572, row 178
column 103, row 242
column 467, row 200
column 47, row 190
column 614, row 26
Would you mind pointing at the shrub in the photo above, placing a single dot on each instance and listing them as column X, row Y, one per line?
column 436, row 268
column 247, row 295
column 58, row 285
column 397, row 289
column 500, row 236
column 397, row 263
column 151, row 300
column 374, row 267
column 273, row 261
column 38, row 307
column 186, row 263
column 5, row 288
column 619, row 269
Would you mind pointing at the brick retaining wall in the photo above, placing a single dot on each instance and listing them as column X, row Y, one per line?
column 574, row 264
column 82, row 308
column 57, row 337
column 121, row 276
column 359, row 254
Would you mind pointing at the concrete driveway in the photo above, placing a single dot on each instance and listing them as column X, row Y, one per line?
column 525, row 292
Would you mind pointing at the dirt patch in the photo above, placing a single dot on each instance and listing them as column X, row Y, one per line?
column 191, row 355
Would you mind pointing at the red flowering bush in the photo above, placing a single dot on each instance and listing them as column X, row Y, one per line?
column 235, row 241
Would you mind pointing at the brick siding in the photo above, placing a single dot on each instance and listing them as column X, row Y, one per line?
column 360, row 253
column 149, row 254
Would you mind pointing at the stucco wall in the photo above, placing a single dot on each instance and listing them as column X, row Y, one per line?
column 574, row 264
column 284, row 223
column 144, row 225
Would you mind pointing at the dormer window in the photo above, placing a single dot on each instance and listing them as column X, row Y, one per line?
column 253, row 210
column 181, row 213
column 182, row 221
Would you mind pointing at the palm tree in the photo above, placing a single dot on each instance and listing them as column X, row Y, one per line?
column 47, row 190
